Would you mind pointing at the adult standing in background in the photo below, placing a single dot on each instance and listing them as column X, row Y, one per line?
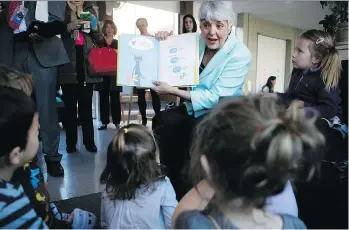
column 108, row 86
column 142, row 25
column 269, row 86
column 76, row 84
column 189, row 26
column 39, row 57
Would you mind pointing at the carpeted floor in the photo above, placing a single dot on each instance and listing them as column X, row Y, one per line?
column 91, row 203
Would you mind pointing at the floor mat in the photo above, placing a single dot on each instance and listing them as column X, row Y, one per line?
column 91, row 203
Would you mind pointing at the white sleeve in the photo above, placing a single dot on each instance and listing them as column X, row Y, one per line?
column 283, row 203
column 168, row 203
column 265, row 89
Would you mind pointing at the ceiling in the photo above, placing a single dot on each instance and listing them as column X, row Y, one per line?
column 298, row 14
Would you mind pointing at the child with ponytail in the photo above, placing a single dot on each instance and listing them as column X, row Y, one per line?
column 315, row 76
column 136, row 192
column 246, row 150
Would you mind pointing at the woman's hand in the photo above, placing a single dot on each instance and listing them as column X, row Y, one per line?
column 162, row 35
column 196, row 199
column 35, row 38
column 299, row 103
column 162, row 87
column 75, row 25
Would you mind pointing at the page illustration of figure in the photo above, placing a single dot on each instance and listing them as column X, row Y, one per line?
column 136, row 73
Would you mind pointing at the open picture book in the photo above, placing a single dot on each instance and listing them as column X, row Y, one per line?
column 143, row 60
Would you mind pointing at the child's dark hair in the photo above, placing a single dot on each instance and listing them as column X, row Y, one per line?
column 195, row 26
column 253, row 147
column 17, row 111
column 323, row 47
column 131, row 163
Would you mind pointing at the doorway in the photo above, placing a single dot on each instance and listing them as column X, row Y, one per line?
column 271, row 61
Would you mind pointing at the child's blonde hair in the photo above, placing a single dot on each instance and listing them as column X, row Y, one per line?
column 15, row 79
column 253, row 147
column 323, row 47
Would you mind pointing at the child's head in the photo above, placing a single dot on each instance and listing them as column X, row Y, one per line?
column 316, row 48
column 19, row 127
column 14, row 79
column 131, row 162
column 248, row 148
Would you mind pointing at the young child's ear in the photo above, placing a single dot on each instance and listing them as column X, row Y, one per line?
column 316, row 60
column 15, row 155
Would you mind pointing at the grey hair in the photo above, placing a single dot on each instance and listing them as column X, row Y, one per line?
column 140, row 19
column 217, row 11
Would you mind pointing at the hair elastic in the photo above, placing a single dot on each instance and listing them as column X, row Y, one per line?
column 319, row 41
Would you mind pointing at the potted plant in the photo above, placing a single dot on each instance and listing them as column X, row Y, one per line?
column 337, row 22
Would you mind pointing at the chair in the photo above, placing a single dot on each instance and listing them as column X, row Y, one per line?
column 129, row 99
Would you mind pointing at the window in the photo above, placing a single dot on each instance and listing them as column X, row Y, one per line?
column 158, row 20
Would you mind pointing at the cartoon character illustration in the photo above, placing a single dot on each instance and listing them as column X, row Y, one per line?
column 136, row 73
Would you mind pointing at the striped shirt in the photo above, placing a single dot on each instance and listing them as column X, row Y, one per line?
column 16, row 210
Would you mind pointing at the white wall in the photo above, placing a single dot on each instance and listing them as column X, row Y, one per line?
column 172, row 6
column 271, row 61
column 126, row 16
column 196, row 7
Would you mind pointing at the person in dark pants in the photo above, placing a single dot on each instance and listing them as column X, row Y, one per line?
column 189, row 26
column 108, row 87
column 76, row 84
column 142, row 25
column 39, row 57
column 142, row 104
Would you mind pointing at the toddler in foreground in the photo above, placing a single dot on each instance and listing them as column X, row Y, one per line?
column 246, row 150
column 136, row 192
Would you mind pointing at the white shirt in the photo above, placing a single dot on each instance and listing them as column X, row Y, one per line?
column 150, row 209
column 41, row 14
column 283, row 203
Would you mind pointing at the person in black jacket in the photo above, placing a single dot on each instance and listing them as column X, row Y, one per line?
column 189, row 26
column 108, row 86
column 314, row 81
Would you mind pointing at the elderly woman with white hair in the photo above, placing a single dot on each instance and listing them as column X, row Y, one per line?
column 225, row 62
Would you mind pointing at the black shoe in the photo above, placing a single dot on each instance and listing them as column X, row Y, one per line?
column 144, row 122
column 54, row 168
column 71, row 149
column 91, row 148
column 102, row 127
